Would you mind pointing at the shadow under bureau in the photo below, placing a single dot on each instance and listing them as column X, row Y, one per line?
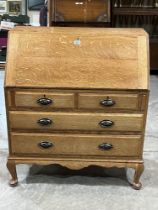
column 77, row 97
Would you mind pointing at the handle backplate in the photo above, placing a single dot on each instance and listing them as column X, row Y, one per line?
column 44, row 121
column 44, row 101
column 106, row 123
column 45, row 144
column 105, row 146
column 107, row 102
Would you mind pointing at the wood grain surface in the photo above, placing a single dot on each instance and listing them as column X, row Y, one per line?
column 59, row 100
column 76, row 121
column 82, row 11
column 122, row 101
column 66, row 144
column 103, row 58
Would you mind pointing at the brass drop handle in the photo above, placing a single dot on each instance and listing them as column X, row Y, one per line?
column 44, row 101
column 107, row 102
column 106, row 123
column 44, row 121
column 45, row 144
column 105, row 146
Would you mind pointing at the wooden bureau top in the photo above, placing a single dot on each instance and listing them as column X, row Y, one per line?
column 77, row 58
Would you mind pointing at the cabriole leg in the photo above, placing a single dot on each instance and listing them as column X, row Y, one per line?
column 12, row 169
column 138, row 172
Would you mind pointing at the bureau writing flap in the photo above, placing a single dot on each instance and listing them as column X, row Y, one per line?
column 78, row 58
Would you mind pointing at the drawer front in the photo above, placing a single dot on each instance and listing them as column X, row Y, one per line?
column 65, row 144
column 46, row 100
column 76, row 121
column 108, row 101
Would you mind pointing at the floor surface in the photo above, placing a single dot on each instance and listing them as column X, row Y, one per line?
column 93, row 188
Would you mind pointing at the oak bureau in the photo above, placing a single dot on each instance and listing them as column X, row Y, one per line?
column 77, row 97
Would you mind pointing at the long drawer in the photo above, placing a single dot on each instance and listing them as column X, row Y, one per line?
column 44, row 99
column 76, row 121
column 66, row 144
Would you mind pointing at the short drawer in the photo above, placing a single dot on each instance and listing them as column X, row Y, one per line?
column 76, row 121
column 66, row 144
column 108, row 101
column 44, row 99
